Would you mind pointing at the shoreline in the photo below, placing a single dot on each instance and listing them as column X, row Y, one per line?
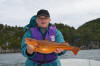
column 19, row 51
column 9, row 51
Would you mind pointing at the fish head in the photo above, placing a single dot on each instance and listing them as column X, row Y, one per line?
column 31, row 41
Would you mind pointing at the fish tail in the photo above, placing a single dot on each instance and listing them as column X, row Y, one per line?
column 75, row 50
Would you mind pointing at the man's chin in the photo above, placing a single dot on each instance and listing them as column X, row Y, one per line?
column 44, row 27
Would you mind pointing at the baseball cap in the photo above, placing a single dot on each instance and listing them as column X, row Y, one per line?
column 43, row 12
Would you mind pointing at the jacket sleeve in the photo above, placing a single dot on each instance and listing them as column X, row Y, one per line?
column 60, row 39
column 23, row 45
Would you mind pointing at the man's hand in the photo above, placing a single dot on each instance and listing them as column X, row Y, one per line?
column 59, row 50
column 29, row 49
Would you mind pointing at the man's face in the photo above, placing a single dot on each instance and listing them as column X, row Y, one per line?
column 43, row 21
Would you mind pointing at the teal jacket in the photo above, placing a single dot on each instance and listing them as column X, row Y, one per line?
column 59, row 38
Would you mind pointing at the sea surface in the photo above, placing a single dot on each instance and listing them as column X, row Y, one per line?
column 17, row 59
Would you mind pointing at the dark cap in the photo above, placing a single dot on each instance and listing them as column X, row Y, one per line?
column 43, row 12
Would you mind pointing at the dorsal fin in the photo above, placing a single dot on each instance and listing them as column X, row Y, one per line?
column 66, row 43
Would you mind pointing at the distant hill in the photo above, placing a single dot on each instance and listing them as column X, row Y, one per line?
column 90, row 32
column 91, row 26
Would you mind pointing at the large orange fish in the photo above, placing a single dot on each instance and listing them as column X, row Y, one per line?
column 45, row 46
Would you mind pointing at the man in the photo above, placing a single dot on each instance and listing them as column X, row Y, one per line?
column 40, row 28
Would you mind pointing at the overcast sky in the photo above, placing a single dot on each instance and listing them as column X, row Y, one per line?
column 71, row 12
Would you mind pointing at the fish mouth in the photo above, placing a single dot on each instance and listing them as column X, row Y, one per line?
column 27, row 40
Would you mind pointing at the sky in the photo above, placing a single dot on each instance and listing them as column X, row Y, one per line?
column 71, row 12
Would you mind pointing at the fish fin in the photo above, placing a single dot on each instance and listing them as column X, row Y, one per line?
column 75, row 50
column 66, row 43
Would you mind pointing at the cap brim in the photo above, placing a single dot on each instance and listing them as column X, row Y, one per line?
column 43, row 15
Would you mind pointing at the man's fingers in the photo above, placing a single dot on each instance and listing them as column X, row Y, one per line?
column 59, row 50
column 30, row 46
column 56, row 51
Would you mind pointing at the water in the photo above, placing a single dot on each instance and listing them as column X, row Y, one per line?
column 17, row 59
column 84, row 54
